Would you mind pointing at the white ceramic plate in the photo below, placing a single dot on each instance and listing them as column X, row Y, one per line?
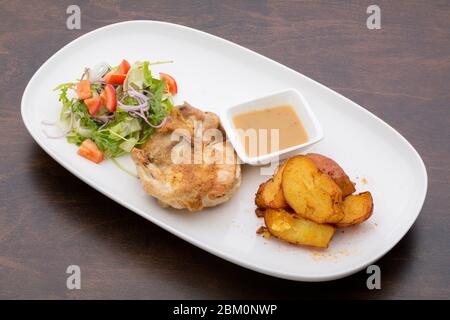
column 213, row 73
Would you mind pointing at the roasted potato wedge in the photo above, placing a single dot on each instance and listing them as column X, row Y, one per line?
column 269, row 194
column 357, row 208
column 259, row 212
column 288, row 227
column 310, row 193
column 330, row 167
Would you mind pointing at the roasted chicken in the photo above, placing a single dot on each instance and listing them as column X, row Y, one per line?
column 188, row 163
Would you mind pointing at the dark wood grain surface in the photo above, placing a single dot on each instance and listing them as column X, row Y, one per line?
column 49, row 219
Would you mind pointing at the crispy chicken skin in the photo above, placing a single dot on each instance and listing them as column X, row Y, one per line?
column 203, row 183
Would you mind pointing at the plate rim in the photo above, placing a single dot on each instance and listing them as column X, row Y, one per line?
column 203, row 245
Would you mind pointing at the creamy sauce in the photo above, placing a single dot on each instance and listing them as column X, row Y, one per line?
column 259, row 142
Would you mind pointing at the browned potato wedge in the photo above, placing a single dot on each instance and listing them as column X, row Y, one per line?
column 259, row 212
column 269, row 194
column 330, row 167
column 312, row 194
column 285, row 226
column 357, row 208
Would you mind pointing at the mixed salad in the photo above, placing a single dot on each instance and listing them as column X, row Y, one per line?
column 110, row 110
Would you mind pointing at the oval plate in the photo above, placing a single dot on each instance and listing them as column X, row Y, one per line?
column 209, row 71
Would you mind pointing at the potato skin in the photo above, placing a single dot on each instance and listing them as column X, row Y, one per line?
column 293, row 229
column 310, row 193
column 259, row 212
column 269, row 194
column 335, row 171
column 357, row 209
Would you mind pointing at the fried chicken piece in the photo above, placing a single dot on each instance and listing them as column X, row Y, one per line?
column 210, row 172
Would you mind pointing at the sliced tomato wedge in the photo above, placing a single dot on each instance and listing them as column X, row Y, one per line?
column 93, row 105
column 84, row 89
column 171, row 84
column 110, row 100
column 124, row 67
column 115, row 78
column 90, row 151
column 103, row 98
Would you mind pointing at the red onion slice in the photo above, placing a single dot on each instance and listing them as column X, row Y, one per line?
column 136, row 94
column 161, row 124
column 143, row 117
column 129, row 108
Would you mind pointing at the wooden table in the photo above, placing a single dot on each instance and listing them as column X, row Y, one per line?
column 49, row 219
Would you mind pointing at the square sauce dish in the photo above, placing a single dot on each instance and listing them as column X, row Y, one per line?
column 272, row 127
